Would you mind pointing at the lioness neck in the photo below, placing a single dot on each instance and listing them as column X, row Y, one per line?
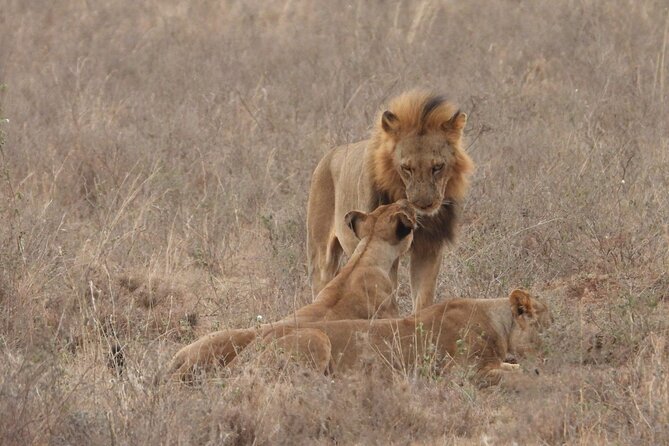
column 380, row 255
column 499, row 313
column 370, row 256
column 369, row 266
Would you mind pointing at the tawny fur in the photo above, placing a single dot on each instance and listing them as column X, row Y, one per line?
column 408, row 109
column 478, row 331
column 420, row 132
column 363, row 289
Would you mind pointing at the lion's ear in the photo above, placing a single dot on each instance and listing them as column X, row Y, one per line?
column 390, row 122
column 521, row 305
column 405, row 224
column 355, row 220
column 456, row 124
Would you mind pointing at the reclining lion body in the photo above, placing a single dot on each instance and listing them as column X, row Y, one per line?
column 416, row 153
column 482, row 331
column 362, row 290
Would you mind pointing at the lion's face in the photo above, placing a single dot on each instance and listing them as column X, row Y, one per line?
column 425, row 165
column 392, row 224
column 426, row 159
column 395, row 224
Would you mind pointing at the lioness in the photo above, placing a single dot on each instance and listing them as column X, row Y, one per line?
column 415, row 152
column 482, row 331
column 362, row 290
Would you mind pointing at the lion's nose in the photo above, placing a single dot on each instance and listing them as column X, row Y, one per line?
column 422, row 204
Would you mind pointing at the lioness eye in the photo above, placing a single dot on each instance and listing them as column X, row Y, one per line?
column 437, row 168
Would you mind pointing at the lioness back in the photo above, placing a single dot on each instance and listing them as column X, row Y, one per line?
column 482, row 331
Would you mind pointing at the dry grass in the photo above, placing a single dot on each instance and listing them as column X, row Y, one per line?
column 154, row 177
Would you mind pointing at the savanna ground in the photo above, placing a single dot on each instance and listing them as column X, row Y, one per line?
column 154, row 175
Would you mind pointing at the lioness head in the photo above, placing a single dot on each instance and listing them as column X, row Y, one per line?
column 531, row 317
column 392, row 224
column 420, row 155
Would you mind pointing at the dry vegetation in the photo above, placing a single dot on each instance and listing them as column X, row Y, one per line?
column 154, row 175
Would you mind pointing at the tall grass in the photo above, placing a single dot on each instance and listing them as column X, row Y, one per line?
column 155, row 168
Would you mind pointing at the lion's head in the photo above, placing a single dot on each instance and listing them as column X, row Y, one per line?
column 418, row 151
column 392, row 224
column 532, row 317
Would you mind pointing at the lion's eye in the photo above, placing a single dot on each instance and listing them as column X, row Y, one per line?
column 437, row 168
column 406, row 169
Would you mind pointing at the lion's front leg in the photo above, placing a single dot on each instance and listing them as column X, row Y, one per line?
column 214, row 349
column 200, row 355
column 425, row 265
column 492, row 372
column 393, row 273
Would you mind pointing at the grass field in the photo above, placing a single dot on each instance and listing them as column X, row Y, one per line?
column 154, row 171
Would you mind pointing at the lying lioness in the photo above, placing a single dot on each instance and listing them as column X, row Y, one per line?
column 477, row 331
column 363, row 289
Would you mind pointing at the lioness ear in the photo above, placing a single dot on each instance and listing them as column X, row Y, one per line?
column 390, row 122
column 456, row 123
column 521, row 304
column 405, row 224
column 354, row 220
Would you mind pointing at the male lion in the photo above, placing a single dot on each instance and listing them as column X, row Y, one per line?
column 362, row 290
column 482, row 331
column 415, row 152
